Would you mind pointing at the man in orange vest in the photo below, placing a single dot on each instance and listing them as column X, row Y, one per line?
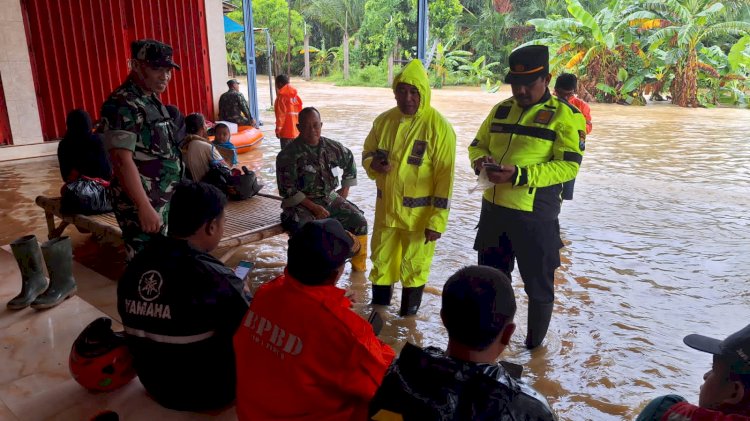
column 301, row 352
column 286, row 107
column 566, row 87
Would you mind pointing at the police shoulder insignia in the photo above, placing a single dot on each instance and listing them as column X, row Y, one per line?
column 543, row 116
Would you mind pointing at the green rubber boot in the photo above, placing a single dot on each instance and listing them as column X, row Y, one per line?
column 411, row 299
column 538, row 322
column 29, row 258
column 58, row 255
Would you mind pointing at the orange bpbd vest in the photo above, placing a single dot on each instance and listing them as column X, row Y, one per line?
column 303, row 354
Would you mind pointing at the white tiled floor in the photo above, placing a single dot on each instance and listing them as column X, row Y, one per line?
column 34, row 347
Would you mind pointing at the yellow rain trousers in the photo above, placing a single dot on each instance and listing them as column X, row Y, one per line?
column 415, row 194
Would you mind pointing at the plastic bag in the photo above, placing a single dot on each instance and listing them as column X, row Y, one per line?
column 244, row 185
column 87, row 196
column 483, row 182
column 218, row 176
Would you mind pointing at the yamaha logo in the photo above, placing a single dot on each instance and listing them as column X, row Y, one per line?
column 149, row 286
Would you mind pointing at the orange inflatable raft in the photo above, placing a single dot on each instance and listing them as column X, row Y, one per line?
column 246, row 139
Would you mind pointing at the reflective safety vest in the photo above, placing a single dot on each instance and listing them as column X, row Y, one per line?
column 421, row 150
column 545, row 142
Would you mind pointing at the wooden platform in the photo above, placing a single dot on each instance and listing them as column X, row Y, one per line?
column 247, row 221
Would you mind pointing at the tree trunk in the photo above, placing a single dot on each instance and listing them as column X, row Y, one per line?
column 685, row 84
column 306, row 73
column 391, row 58
column 289, row 39
column 346, row 56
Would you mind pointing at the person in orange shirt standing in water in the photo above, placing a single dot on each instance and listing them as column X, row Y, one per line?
column 287, row 107
column 565, row 88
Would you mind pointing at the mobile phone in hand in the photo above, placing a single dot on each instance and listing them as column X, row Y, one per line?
column 376, row 321
column 243, row 268
column 514, row 370
column 491, row 166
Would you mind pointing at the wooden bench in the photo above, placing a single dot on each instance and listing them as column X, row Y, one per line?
column 247, row 221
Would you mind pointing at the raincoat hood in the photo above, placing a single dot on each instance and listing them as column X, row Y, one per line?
column 415, row 74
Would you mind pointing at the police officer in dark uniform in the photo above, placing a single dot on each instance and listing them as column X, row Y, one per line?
column 180, row 307
column 140, row 136
column 528, row 146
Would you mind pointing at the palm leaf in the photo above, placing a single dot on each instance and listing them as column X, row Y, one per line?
column 728, row 28
column 575, row 60
column 670, row 8
column 737, row 54
column 578, row 12
column 659, row 37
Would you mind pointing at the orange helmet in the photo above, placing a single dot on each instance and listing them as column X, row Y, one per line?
column 99, row 359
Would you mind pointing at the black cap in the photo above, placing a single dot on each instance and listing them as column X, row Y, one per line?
column 318, row 248
column 735, row 349
column 527, row 64
column 153, row 52
column 233, row 82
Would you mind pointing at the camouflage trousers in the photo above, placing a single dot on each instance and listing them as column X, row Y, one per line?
column 132, row 235
column 342, row 210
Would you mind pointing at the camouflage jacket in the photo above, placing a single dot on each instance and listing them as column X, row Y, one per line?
column 304, row 171
column 133, row 120
column 427, row 385
column 233, row 107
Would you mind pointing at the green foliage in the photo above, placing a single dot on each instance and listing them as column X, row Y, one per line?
column 444, row 16
column 387, row 23
column 618, row 48
column 446, row 62
column 371, row 75
column 474, row 72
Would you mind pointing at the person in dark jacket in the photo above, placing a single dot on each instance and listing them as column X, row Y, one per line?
column 464, row 382
column 180, row 307
column 81, row 152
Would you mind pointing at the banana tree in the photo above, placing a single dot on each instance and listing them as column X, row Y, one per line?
column 446, row 61
column 689, row 23
column 587, row 45
column 478, row 70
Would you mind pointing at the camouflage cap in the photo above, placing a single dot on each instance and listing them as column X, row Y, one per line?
column 153, row 52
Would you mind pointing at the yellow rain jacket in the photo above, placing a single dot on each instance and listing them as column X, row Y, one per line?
column 544, row 141
column 421, row 149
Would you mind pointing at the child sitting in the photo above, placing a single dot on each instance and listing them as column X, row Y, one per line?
column 221, row 141
column 725, row 393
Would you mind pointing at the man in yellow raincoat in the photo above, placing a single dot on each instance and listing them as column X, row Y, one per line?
column 410, row 153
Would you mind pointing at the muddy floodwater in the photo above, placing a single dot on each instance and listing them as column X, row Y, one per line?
column 657, row 242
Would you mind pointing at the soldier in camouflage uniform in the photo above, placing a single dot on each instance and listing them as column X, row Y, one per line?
column 233, row 106
column 308, row 186
column 140, row 137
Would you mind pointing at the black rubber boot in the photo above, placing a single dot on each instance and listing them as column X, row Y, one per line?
column 538, row 322
column 411, row 299
column 29, row 258
column 381, row 295
column 58, row 256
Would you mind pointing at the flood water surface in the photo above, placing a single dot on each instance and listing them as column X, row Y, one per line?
column 657, row 243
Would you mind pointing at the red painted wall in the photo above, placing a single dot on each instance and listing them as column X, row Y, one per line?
column 5, row 135
column 80, row 50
